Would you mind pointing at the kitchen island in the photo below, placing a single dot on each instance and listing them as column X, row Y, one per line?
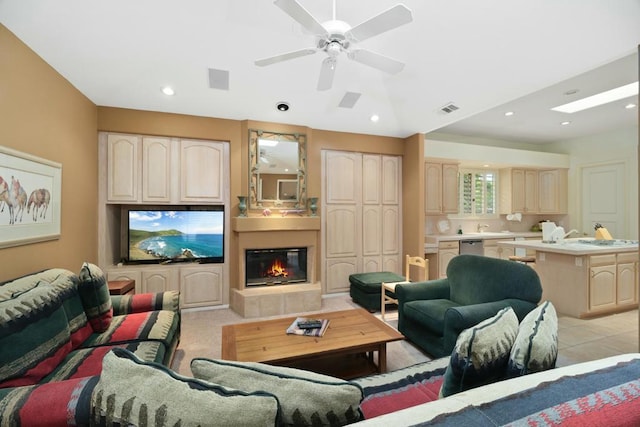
column 586, row 277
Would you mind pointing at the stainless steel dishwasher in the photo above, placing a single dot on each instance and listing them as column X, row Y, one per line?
column 471, row 246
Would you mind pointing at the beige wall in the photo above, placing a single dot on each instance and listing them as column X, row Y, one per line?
column 43, row 115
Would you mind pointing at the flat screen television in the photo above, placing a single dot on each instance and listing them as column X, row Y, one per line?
column 192, row 234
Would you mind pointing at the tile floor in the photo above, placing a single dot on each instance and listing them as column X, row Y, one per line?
column 581, row 340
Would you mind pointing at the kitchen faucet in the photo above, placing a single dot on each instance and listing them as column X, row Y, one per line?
column 481, row 227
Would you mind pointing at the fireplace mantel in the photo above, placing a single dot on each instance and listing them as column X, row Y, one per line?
column 288, row 223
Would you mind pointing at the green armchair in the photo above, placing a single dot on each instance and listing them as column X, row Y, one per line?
column 432, row 314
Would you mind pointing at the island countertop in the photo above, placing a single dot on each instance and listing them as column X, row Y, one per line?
column 577, row 247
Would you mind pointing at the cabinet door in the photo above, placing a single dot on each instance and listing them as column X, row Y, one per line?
column 201, row 285
column 372, row 230
column 371, row 179
column 372, row 264
column 552, row 189
column 201, row 171
column 531, row 191
column 391, row 230
column 337, row 273
column 343, row 177
column 450, row 188
column 391, row 180
column 491, row 251
column 602, row 287
column 159, row 280
column 156, row 170
column 122, row 168
column 444, row 256
column 433, row 188
column 342, row 231
column 627, row 284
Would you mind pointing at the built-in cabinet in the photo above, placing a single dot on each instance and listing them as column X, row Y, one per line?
column 441, row 188
column 138, row 170
column 446, row 252
column 532, row 191
column 613, row 281
column 362, row 219
column 156, row 170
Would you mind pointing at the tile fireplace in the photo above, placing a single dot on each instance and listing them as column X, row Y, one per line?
column 277, row 266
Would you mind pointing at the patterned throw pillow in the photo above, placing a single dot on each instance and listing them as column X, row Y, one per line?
column 306, row 398
column 94, row 292
column 536, row 346
column 481, row 353
column 133, row 392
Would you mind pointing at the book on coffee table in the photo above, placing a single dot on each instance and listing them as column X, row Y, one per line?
column 308, row 327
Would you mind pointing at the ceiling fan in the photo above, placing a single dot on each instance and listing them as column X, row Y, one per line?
column 334, row 37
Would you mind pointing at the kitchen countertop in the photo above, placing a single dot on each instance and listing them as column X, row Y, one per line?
column 576, row 247
column 435, row 238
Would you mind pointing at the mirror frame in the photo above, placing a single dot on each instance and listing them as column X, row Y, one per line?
column 254, row 150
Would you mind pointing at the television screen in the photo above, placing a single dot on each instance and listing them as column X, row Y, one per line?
column 162, row 235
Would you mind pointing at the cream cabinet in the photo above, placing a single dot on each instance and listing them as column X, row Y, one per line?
column 446, row 252
column 553, row 191
column 613, row 281
column 361, row 216
column 531, row 191
column 154, row 170
column 199, row 284
column 123, row 152
column 441, row 188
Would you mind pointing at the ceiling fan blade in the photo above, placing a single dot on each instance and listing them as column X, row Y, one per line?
column 284, row 57
column 375, row 60
column 327, row 72
column 301, row 15
column 389, row 19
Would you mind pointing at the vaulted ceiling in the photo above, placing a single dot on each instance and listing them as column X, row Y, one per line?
column 478, row 55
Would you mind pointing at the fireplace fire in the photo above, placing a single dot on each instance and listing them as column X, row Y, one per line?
column 267, row 267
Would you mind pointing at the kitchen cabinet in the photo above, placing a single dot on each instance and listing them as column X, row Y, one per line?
column 602, row 282
column 553, row 191
column 531, row 191
column 441, row 188
column 446, row 252
column 627, row 279
column 142, row 169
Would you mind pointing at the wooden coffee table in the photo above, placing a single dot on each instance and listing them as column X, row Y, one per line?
column 346, row 350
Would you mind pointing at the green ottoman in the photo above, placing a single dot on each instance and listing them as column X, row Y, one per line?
column 364, row 288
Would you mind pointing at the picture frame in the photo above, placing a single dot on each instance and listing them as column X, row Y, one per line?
column 30, row 198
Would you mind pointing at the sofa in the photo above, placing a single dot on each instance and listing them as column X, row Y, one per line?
column 126, row 383
column 432, row 314
column 57, row 326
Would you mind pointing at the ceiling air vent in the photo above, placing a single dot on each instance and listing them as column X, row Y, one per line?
column 449, row 108
column 349, row 100
column 218, row 79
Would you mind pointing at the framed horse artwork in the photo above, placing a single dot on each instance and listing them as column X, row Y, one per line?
column 30, row 198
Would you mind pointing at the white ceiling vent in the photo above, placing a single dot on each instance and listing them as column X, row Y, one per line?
column 349, row 99
column 449, row 108
column 218, row 79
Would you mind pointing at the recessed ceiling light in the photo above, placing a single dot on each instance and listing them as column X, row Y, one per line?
column 374, row 118
column 599, row 99
column 282, row 106
column 168, row 90
column 509, row 113
column 565, row 123
column 630, row 106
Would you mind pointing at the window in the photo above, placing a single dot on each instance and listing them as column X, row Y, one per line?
column 478, row 193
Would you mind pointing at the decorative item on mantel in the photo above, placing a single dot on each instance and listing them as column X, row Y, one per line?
column 285, row 212
column 242, row 205
column 313, row 205
column 266, row 212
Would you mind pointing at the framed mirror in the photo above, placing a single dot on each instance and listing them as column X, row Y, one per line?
column 277, row 170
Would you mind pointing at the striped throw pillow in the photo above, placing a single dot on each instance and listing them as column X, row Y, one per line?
column 96, row 300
